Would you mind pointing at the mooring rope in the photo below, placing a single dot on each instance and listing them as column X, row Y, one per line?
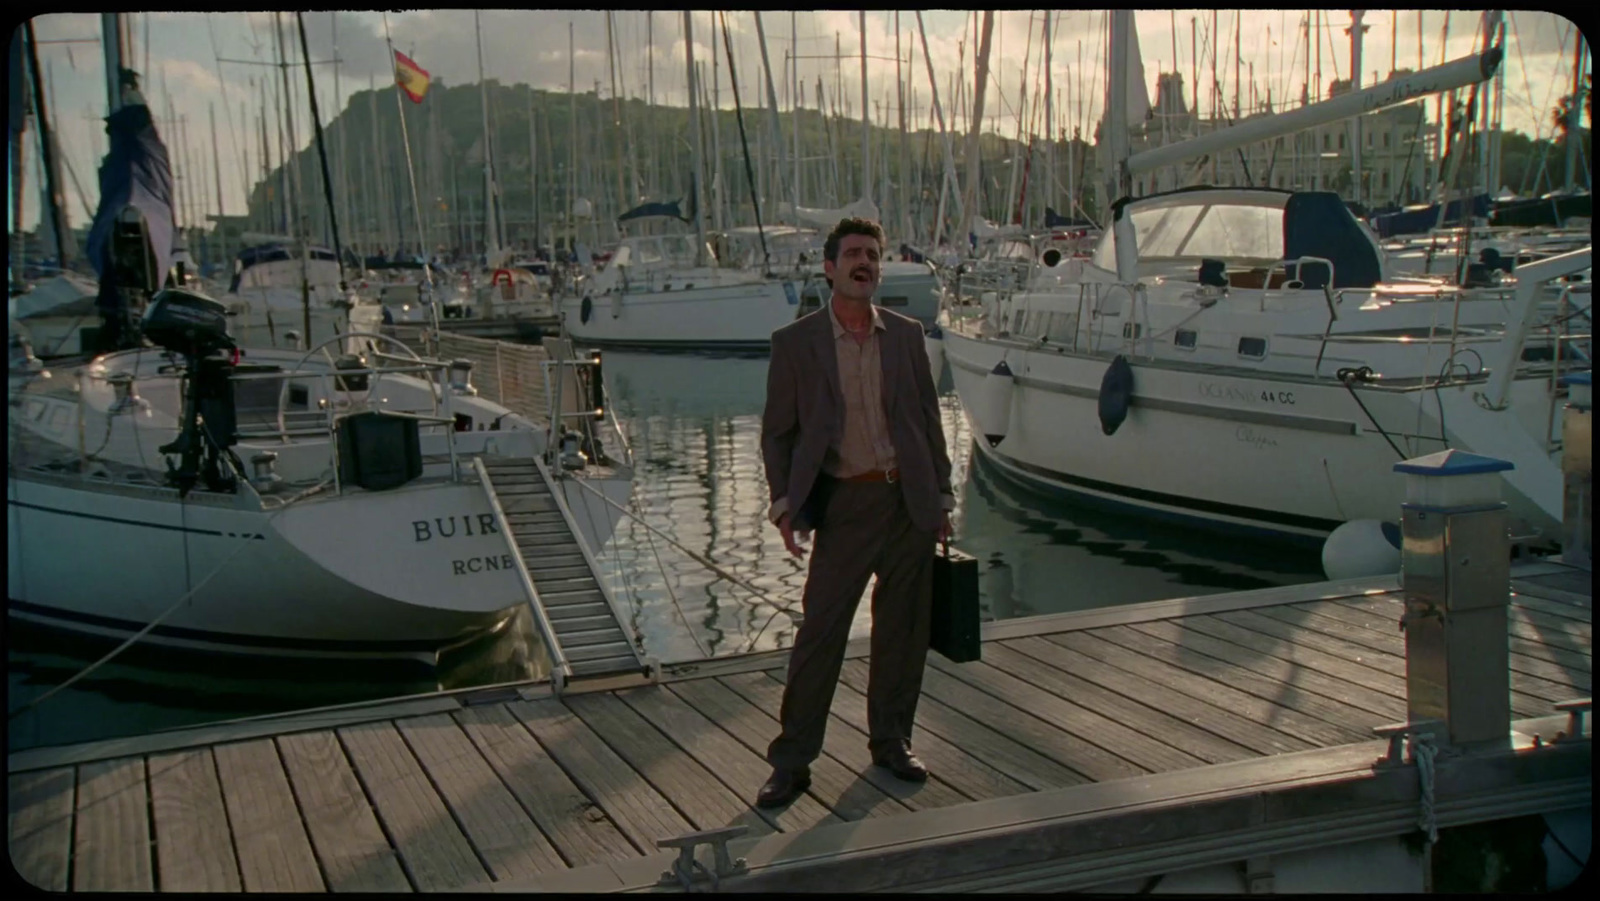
column 1423, row 752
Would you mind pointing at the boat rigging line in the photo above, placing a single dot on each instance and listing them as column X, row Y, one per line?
column 750, row 175
column 322, row 153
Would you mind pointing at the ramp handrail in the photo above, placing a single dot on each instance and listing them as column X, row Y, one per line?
column 560, row 669
column 588, row 557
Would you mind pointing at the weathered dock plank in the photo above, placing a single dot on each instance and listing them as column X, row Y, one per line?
column 355, row 854
column 1381, row 613
column 1572, row 581
column 1546, row 602
column 1039, row 733
column 848, row 745
column 1091, row 726
column 694, row 791
column 832, row 785
column 1214, row 681
column 1048, row 668
column 1295, row 682
column 1349, row 683
column 111, row 841
column 628, row 798
column 1342, row 639
column 39, row 826
column 1064, row 653
column 1539, row 674
column 1004, row 753
column 736, row 766
column 577, row 827
column 274, row 851
column 432, row 847
column 194, row 851
column 507, row 840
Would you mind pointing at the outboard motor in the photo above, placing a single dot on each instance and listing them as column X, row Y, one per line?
column 196, row 327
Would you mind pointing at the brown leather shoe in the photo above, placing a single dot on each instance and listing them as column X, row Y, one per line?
column 903, row 764
column 784, row 786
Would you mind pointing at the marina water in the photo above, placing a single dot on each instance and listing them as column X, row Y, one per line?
column 694, row 424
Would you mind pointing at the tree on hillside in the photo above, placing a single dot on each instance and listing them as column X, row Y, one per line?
column 1561, row 116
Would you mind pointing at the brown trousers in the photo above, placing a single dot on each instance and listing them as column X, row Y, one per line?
column 865, row 530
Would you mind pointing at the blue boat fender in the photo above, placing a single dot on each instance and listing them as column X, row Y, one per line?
column 1116, row 392
column 585, row 310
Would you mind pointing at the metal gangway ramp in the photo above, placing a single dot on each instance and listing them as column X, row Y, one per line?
column 573, row 609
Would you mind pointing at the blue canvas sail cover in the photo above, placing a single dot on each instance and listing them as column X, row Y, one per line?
column 135, row 173
column 651, row 210
column 1418, row 220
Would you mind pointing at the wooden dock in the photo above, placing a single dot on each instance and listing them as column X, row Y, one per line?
column 1087, row 714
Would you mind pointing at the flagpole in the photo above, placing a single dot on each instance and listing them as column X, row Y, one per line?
column 411, row 175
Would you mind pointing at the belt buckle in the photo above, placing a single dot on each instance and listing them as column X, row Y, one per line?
column 891, row 475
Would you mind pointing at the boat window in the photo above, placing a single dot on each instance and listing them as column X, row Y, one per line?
column 893, row 301
column 1218, row 231
column 299, row 397
column 1063, row 328
column 1185, row 338
column 1253, row 347
column 1132, row 329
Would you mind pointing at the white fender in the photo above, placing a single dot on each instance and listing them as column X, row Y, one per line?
column 993, row 407
column 1361, row 548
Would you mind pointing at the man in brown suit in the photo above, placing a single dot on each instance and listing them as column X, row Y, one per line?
column 854, row 449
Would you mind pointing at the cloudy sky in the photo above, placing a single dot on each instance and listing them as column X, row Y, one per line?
column 184, row 78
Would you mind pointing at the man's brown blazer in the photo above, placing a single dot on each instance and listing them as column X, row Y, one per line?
column 804, row 416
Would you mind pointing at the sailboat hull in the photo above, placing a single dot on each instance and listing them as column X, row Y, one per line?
column 318, row 578
column 1257, row 454
column 730, row 317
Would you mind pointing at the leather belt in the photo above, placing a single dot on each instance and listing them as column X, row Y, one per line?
column 877, row 475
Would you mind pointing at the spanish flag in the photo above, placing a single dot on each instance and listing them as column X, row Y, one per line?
column 412, row 78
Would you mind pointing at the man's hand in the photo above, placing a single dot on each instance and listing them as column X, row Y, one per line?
column 946, row 531
column 789, row 540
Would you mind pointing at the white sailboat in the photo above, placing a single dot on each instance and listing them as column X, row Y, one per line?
column 326, row 502
column 1233, row 358
column 669, row 291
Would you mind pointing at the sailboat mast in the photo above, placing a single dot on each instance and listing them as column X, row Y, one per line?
column 533, row 170
column 944, row 132
column 47, row 152
column 322, row 155
column 794, row 63
column 216, row 170
column 772, row 106
column 970, row 192
column 1357, row 32
column 572, row 147
column 1050, row 116
column 1575, row 113
column 694, row 134
column 491, row 244
column 866, row 116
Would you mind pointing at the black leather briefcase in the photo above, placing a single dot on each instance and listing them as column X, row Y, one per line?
column 955, row 628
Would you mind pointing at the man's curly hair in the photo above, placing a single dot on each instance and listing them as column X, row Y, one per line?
column 851, row 226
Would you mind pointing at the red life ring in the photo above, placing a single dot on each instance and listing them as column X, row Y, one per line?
column 495, row 279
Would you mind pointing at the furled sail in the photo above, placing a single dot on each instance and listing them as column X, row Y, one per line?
column 135, row 187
